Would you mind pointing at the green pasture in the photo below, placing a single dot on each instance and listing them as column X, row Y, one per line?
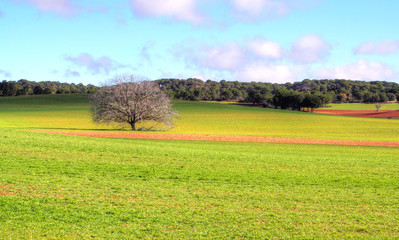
column 67, row 187
column 71, row 112
column 363, row 106
column 225, row 119
column 46, row 111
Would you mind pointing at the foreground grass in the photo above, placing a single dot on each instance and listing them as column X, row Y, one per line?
column 67, row 112
column 66, row 187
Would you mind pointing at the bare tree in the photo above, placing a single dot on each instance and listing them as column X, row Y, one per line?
column 132, row 101
column 378, row 106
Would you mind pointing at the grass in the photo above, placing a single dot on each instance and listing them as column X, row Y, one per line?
column 46, row 111
column 65, row 187
column 364, row 106
column 215, row 118
column 66, row 112
column 68, row 187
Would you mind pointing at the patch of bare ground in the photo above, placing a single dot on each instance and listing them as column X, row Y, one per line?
column 6, row 191
column 394, row 114
column 228, row 138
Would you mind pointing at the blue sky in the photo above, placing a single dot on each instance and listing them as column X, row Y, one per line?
column 90, row 41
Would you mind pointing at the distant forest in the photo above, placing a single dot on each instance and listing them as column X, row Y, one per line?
column 25, row 87
column 294, row 96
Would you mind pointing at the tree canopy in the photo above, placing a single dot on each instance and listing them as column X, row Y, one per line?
column 131, row 101
column 304, row 94
column 25, row 87
column 295, row 96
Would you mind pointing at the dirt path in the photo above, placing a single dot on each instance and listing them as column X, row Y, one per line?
column 394, row 114
column 203, row 137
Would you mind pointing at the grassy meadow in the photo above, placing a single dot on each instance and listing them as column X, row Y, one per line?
column 364, row 106
column 67, row 187
column 65, row 112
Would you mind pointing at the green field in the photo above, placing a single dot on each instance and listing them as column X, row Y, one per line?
column 68, row 187
column 72, row 113
column 363, row 106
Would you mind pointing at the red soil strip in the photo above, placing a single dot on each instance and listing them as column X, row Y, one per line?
column 5, row 192
column 227, row 138
column 394, row 114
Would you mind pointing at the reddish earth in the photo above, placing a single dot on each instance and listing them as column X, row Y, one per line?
column 361, row 113
column 202, row 137
column 4, row 191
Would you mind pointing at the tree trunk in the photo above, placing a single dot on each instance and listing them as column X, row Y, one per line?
column 133, row 124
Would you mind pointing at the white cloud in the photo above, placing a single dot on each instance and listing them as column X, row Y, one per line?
column 102, row 64
column 61, row 7
column 259, row 72
column 64, row 8
column 256, row 59
column 189, row 10
column 387, row 47
column 183, row 10
column 256, row 7
column 227, row 57
column 230, row 55
column 253, row 9
column 5, row 73
column 266, row 49
column 309, row 49
column 70, row 73
column 361, row 70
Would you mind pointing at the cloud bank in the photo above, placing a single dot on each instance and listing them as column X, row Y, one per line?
column 263, row 72
column 263, row 60
column 309, row 49
column 190, row 10
column 231, row 55
column 360, row 70
column 258, row 59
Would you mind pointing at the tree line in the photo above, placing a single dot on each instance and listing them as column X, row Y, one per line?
column 25, row 87
column 295, row 96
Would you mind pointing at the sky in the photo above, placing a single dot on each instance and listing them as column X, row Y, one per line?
column 279, row 41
